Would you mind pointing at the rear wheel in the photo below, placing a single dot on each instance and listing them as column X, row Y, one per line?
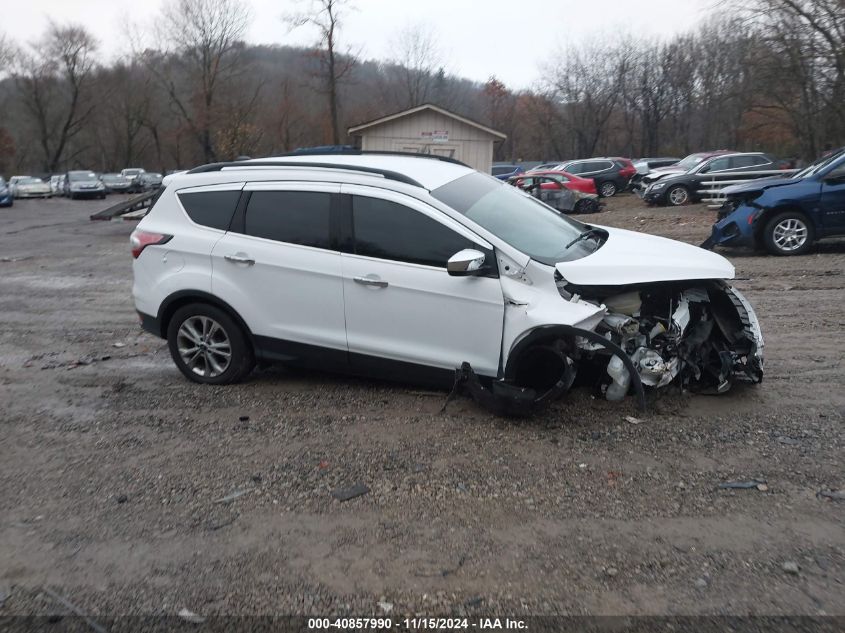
column 677, row 195
column 208, row 346
column 607, row 189
column 788, row 233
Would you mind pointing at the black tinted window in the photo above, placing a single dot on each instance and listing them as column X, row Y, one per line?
column 391, row 231
column 295, row 217
column 211, row 208
column 747, row 161
column 575, row 168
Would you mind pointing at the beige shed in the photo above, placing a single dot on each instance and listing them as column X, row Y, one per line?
column 429, row 129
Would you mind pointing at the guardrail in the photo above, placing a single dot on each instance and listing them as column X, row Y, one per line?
column 710, row 190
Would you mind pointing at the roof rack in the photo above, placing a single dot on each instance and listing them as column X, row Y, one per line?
column 384, row 173
column 360, row 152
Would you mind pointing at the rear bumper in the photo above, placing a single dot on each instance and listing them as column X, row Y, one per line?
column 150, row 324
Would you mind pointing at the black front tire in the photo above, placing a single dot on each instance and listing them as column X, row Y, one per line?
column 776, row 236
column 242, row 358
column 677, row 196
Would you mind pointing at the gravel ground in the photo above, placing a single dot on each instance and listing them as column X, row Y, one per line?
column 129, row 490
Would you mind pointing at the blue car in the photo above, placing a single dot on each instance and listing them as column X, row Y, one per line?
column 6, row 198
column 785, row 215
column 503, row 172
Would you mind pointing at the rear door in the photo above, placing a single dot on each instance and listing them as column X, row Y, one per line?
column 279, row 267
column 401, row 304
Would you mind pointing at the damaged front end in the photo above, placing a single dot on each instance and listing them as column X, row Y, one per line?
column 700, row 335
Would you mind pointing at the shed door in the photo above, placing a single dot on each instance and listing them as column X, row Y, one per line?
column 436, row 149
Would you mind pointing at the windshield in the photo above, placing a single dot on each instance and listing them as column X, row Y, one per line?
column 30, row 181
column 515, row 217
column 113, row 177
column 131, row 172
column 81, row 175
column 691, row 161
column 820, row 163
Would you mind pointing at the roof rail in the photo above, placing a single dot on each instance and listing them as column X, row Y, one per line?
column 360, row 152
column 384, row 173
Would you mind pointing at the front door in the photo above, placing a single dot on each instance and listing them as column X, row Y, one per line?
column 400, row 302
column 833, row 200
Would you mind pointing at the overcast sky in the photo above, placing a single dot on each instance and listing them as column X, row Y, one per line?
column 478, row 38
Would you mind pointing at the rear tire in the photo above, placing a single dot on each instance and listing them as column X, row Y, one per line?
column 607, row 189
column 208, row 346
column 788, row 233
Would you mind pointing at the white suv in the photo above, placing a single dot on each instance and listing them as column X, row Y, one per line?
column 412, row 267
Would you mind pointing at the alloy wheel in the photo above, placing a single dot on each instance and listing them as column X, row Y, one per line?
column 678, row 196
column 790, row 234
column 204, row 346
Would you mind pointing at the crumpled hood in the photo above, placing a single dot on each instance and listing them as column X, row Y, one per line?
column 759, row 184
column 628, row 257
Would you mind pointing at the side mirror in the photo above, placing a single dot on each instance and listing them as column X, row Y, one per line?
column 466, row 263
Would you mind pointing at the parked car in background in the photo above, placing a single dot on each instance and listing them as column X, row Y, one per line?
column 115, row 183
column 150, row 180
column 82, row 183
column 678, row 189
column 6, row 197
column 785, row 215
column 611, row 175
column 57, row 184
column 30, row 187
column 503, row 172
column 551, row 176
column 13, row 181
column 685, row 165
column 644, row 166
column 134, row 174
column 556, row 191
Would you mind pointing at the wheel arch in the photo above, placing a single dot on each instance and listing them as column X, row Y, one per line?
column 548, row 333
column 184, row 297
column 768, row 213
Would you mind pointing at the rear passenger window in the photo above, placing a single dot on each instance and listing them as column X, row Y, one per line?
column 211, row 208
column 295, row 217
column 388, row 230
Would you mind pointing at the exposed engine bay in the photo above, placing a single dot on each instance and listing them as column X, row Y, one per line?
column 700, row 335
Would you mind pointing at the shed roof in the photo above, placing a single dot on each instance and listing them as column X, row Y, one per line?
column 420, row 108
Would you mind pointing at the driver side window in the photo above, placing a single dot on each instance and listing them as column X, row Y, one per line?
column 837, row 174
column 388, row 230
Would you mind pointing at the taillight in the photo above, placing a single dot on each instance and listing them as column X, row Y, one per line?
column 141, row 239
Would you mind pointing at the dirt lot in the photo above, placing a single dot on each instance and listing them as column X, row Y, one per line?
column 114, row 467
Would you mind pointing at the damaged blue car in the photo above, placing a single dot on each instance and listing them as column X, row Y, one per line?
column 785, row 215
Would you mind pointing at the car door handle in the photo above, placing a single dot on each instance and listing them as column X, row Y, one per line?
column 370, row 280
column 239, row 258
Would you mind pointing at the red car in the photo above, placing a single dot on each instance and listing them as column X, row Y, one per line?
column 627, row 169
column 570, row 181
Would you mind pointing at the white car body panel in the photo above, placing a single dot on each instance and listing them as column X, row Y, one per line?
column 424, row 315
column 538, row 304
column 628, row 257
column 291, row 293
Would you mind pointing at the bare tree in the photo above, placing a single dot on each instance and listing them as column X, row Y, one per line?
column 198, row 51
column 418, row 62
column 325, row 16
column 52, row 78
column 587, row 85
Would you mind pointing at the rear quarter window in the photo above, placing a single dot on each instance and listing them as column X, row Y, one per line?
column 213, row 209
